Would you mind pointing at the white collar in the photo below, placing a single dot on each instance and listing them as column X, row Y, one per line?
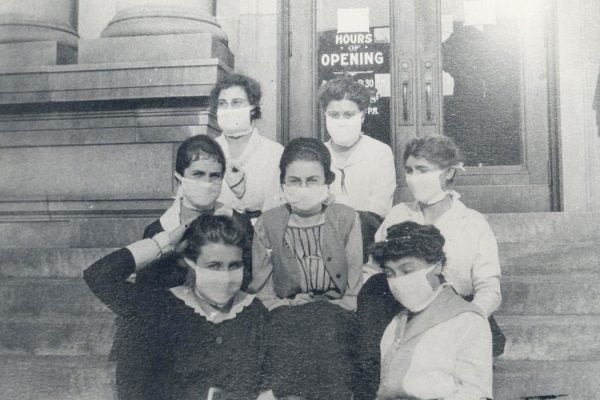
column 240, row 301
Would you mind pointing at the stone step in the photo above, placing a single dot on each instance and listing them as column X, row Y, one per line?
column 72, row 232
column 47, row 296
column 551, row 338
column 533, row 295
column 56, row 378
column 48, row 262
column 528, row 338
column 529, row 258
column 565, row 294
column 520, row 379
column 119, row 231
column 545, row 226
column 57, row 336
column 92, row 378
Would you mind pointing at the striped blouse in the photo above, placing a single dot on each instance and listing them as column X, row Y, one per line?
column 305, row 243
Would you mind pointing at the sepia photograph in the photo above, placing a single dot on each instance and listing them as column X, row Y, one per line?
column 299, row 199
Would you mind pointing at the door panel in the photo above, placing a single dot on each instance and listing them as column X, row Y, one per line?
column 476, row 74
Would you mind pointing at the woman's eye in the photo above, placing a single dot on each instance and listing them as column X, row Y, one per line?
column 235, row 266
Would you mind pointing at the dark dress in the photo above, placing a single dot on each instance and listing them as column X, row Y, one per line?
column 195, row 354
column 376, row 308
column 136, row 368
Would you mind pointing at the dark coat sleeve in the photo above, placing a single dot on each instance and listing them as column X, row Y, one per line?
column 153, row 229
column 107, row 278
column 244, row 221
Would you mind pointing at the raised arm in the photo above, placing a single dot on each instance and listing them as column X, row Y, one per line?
column 107, row 277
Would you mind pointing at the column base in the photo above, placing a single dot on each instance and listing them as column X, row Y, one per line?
column 154, row 48
column 36, row 53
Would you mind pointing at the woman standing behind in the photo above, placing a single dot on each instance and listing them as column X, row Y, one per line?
column 252, row 160
column 307, row 266
column 364, row 167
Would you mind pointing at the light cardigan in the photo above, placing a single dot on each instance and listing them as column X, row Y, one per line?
column 444, row 352
column 260, row 162
column 366, row 181
column 275, row 270
column 473, row 266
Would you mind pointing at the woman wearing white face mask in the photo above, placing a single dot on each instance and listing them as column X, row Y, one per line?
column 364, row 167
column 251, row 179
column 439, row 346
column 307, row 263
column 199, row 168
column 212, row 335
column 473, row 267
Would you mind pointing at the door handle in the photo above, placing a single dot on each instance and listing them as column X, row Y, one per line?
column 406, row 108
column 428, row 102
column 405, row 101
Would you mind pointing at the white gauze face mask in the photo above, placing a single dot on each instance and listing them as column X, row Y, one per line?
column 426, row 187
column 413, row 290
column 344, row 132
column 235, row 122
column 216, row 287
column 199, row 194
column 305, row 198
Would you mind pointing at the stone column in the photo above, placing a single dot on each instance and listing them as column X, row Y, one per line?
column 38, row 32
column 159, row 30
column 164, row 17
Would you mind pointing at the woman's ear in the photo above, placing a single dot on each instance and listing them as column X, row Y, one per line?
column 434, row 277
column 449, row 174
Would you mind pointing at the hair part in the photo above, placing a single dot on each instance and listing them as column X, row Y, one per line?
column 344, row 87
column 409, row 239
column 218, row 229
column 195, row 148
column 250, row 86
column 306, row 149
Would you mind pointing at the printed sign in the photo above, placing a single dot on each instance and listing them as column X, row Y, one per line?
column 366, row 57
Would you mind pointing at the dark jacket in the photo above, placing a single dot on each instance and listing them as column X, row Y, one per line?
column 195, row 354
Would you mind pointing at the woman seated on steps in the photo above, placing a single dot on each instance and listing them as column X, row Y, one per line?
column 439, row 346
column 210, row 334
column 199, row 171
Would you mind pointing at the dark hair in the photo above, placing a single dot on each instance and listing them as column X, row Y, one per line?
column 344, row 88
column 192, row 148
column 250, row 86
column 306, row 149
column 438, row 149
column 409, row 239
column 221, row 229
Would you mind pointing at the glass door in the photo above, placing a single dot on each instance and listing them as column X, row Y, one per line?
column 474, row 70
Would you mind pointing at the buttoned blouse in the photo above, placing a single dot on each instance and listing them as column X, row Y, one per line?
column 473, row 266
column 260, row 162
column 366, row 180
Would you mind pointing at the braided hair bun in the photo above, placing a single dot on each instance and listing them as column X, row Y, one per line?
column 409, row 239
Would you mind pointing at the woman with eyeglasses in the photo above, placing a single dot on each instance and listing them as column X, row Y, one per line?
column 307, row 270
column 251, row 180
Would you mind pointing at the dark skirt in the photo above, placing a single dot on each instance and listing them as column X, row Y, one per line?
column 309, row 354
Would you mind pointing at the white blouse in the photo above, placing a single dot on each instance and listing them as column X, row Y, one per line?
column 260, row 162
column 366, row 181
column 473, row 266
